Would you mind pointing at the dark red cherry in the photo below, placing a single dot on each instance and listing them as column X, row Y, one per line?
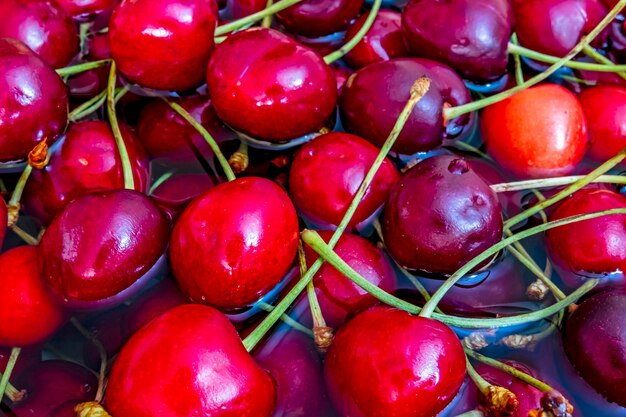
column 29, row 356
column 163, row 44
column 538, row 132
column 234, row 243
column 595, row 343
column 597, row 245
column 176, row 192
column 111, row 330
column 341, row 76
column 327, row 172
column 605, row 111
column 101, row 244
column 29, row 313
column 44, row 26
column 81, row 8
column 440, row 215
column 33, row 100
column 313, row 18
column 200, row 355
column 555, row 26
column 384, row 40
column 3, row 220
column 90, row 83
column 242, row 8
column 265, row 85
column 424, row 129
column 386, row 362
column 85, row 160
column 471, row 36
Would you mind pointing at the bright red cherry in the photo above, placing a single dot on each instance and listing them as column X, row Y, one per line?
column 33, row 100
column 208, row 372
column 265, row 85
column 234, row 243
column 29, row 313
column 163, row 44
column 101, row 244
column 538, row 132
column 386, row 362
column 3, row 220
column 82, row 8
column 85, row 160
column 314, row 18
column 327, row 172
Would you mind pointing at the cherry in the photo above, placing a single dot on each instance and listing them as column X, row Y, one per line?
column 440, row 215
column 84, row 161
column 101, row 244
column 4, row 218
column 242, row 8
column 264, row 84
column 605, row 109
column 83, row 8
column 29, row 356
column 424, row 130
column 538, row 132
column 555, row 26
column 595, row 343
column 26, row 122
column 90, row 83
column 476, row 46
column 29, row 313
column 327, row 172
column 208, row 372
column 111, row 330
column 387, row 362
column 43, row 26
column 176, row 192
column 163, row 44
column 313, row 18
column 384, row 40
column 341, row 76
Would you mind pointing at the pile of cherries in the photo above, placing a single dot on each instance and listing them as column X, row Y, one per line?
column 311, row 208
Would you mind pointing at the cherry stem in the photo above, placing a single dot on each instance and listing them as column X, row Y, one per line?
column 240, row 160
column 101, row 351
column 469, row 148
column 591, row 52
column 473, row 413
column 521, row 341
column 94, row 103
column 230, row 175
column 314, row 305
column 418, row 90
column 24, row 235
column 554, row 182
column 267, row 20
column 14, row 202
column 160, row 181
column 528, row 262
column 4, row 381
column 348, row 46
column 286, row 319
column 77, row 69
column 454, row 112
column 255, row 17
column 479, row 381
column 519, row 72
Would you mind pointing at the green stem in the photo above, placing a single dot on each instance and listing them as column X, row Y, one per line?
column 127, row 169
column 228, row 171
column 518, row 50
column 286, row 319
column 77, row 69
column 591, row 52
column 4, row 381
column 267, row 20
column 479, row 381
column 88, row 107
column 101, row 351
column 538, row 272
column 22, row 234
column 255, row 17
column 160, row 181
column 348, row 46
column 19, row 187
column 473, row 413
column 519, row 72
column 554, row 182
column 314, row 304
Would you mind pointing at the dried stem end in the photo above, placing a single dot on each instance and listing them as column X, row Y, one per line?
column 537, row 290
column 475, row 341
column 239, row 162
column 323, row 336
column 518, row 341
column 38, row 158
column 91, row 409
column 553, row 404
column 501, row 401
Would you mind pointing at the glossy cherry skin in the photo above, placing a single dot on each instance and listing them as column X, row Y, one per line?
column 476, row 47
column 101, row 243
column 29, row 313
column 539, row 132
column 242, row 8
column 234, row 243
column 375, row 83
column 197, row 350
column 90, row 83
column 327, row 172
column 440, row 215
column 385, row 362
column 3, row 220
column 595, row 343
column 265, row 85
column 176, row 192
column 86, row 160
column 597, row 245
column 314, row 18
column 605, row 111
column 33, row 98
column 555, row 26
column 81, row 8
column 163, row 44
column 384, row 40
column 44, row 26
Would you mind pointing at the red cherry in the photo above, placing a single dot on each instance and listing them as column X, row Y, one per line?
column 208, row 372
column 86, row 160
column 44, row 26
column 313, row 18
column 538, row 132
column 596, row 245
column 605, row 110
column 33, row 99
column 90, row 83
column 29, row 314
column 163, row 44
column 4, row 218
column 385, row 362
column 80, row 8
column 243, row 8
column 176, row 192
column 384, row 40
column 327, row 172
column 234, row 243
column 101, row 244
column 29, row 356
column 266, row 85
